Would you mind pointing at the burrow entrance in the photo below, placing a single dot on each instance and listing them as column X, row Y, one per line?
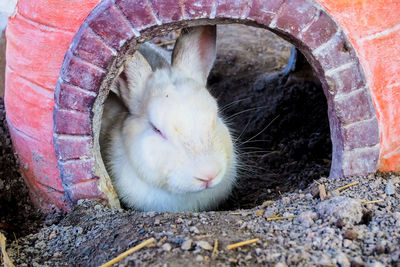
column 114, row 30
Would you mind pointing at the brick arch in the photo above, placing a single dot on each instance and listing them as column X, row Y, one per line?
column 114, row 29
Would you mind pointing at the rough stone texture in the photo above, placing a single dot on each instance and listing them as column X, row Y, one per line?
column 302, row 22
column 72, row 97
column 198, row 8
column 139, row 13
column 365, row 159
column 112, row 27
column 320, row 31
column 231, row 9
column 71, row 122
column 167, row 10
column 76, row 171
column 361, row 134
column 346, row 209
column 264, row 11
column 88, row 189
column 353, row 107
column 90, row 48
column 335, row 53
column 73, row 147
column 346, row 80
column 81, row 74
column 296, row 16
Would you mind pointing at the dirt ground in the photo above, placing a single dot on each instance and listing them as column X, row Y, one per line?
column 283, row 137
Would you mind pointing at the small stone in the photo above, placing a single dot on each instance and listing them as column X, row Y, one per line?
column 248, row 257
column 390, row 189
column 347, row 209
column 306, row 218
column 199, row 258
column 167, row 247
column 342, row 260
column 194, row 229
column 347, row 243
column 187, row 244
column 375, row 264
column 357, row 262
column 350, row 234
column 204, row 245
column 280, row 264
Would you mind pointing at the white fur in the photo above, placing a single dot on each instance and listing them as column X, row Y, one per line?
column 157, row 172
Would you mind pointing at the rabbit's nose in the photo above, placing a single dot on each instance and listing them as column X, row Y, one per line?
column 208, row 176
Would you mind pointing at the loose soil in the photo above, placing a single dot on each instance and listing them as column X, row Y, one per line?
column 282, row 135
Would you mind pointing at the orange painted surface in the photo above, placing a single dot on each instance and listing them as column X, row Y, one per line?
column 373, row 27
column 66, row 14
column 37, row 39
column 40, row 33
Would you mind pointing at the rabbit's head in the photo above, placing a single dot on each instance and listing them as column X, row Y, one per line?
column 174, row 137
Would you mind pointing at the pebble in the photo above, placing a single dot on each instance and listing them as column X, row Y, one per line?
column 346, row 209
column 187, row 244
column 350, row 234
column 167, row 247
column 204, row 245
column 390, row 189
column 342, row 260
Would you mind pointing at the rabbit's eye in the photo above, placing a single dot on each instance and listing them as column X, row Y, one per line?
column 157, row 131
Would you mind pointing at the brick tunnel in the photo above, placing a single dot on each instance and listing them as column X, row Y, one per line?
column 59, row 147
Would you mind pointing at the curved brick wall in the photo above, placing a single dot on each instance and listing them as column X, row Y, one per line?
column 112, row 30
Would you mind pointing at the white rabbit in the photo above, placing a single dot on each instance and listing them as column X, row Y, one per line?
column 163, row 142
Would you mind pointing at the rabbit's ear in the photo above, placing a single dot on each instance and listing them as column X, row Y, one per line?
column 131, row 82
column 195, row 51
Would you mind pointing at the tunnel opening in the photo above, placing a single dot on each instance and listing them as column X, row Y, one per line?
column 278, row 117
column 100, row 49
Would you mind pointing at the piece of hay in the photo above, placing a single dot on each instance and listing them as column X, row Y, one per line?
column 322, row 192
column 128, row 252
column 280, row 218
column 215, row 249
column 6, row 259
column 243, row 243
column 348, row 185
column 372, row 201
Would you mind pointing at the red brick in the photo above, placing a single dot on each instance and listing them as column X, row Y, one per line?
column 73, row 147
column 72, row 97
column 167, row 10
column 81, row 74
column 198, row 8
column 354, row 107
column 360, row 161
column 90, row 48
column 112, row 27
column 231, row 9
column 76, row 171
column 320, row 31
column 361, row 134
column 71, row 122
column 335, row 53
column 88, row 189
column 347, row 80
column 264, row 11
column 139, row 13
column 295, row 16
